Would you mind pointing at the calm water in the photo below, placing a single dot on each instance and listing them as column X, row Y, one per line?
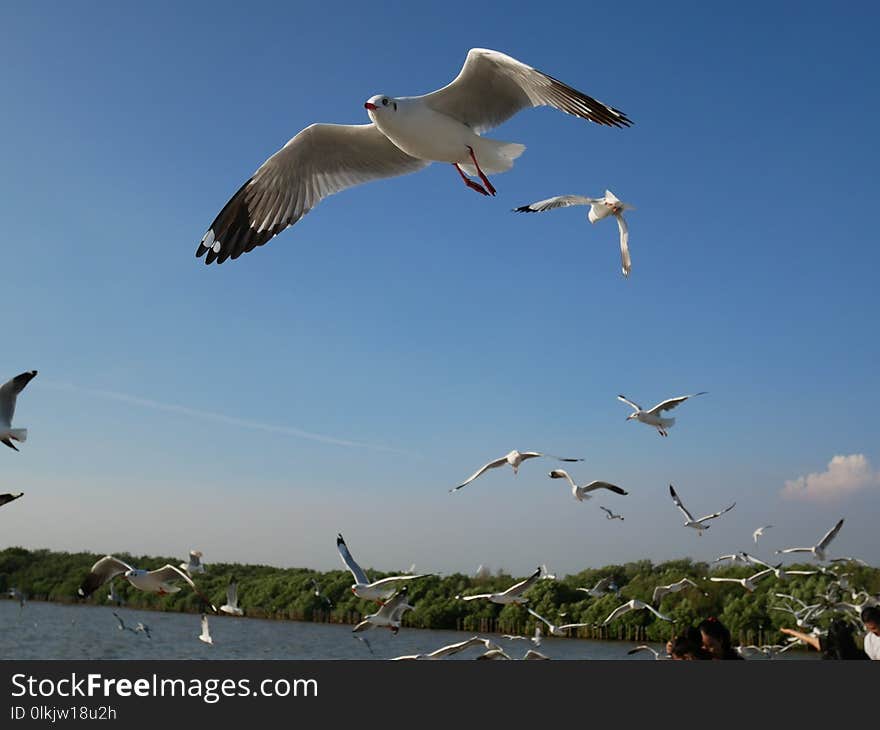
column 54, row 631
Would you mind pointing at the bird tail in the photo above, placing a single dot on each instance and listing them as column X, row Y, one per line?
column 17, row 434
column 494, row 156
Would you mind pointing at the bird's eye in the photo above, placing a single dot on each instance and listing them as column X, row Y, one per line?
column 384, row 102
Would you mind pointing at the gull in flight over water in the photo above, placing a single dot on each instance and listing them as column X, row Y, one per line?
column 141, row 628
column 8, row 396
column 652, row 416
column 150, row 581
column 817, row 550
column 633, row 605
column 445, row 651
column 749, row 583
column 700, row 524
column 389, row 614
column 378, row 590
column 536, row 639
column 512, row 594
column 610, row 515
column 554, row 629
column 231, row 605
column 733, row 558
column 206, row 631
column 195, row 564
column 661, row 591
column 760, row 531
column 405, row 134
column 602, row 587
column 645, row 647
column 581, row 493
column 7, row 498
column 514, row 459
column 599, row 208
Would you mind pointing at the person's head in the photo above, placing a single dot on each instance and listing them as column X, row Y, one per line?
column 871, row 619
column 688, row 646
column 715, row 637
column 839, row 642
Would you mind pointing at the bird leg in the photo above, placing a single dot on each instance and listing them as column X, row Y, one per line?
column 470, row 183
column 482, row 175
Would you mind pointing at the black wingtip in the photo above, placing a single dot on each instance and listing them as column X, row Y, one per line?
column 524, row 209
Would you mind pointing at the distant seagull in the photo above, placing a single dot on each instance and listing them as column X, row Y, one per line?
column 780, row 572
column 142, row 628
column 661, row 591
column 768, row 650
column 581, row 493
column 760, row 531
column 699, row 525
column 818, row 550
column 602, row 587
column 152, row 581
column 378, row 590
column 482, row 572
column 546, row 574
column 645, row 647
column 7, row 498
column 611, row 515
column 389, row 614
column 122, row 626
column 535, row 639
column 749, row 583
column 8, row 395
column 599, row 208
column 634, row 605
column 557, row 630
column 512, row 594
column 195, row 564
column 652, row 416
column 206, row 631
column 858, row 561
column 231, row 605
column 494, row 654
column 514, row 459
column 318, row 594
column 17, row 595
column 405, row 135
column 113, row 596
column 445, row 651
column 532, row 654
column 733, row 558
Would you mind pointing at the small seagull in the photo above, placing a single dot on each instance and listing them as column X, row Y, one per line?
column 652, row 416
column 733, row 558
column 532, row 654
column 536, row 639
column 378, row 590
column 858, row 561
column 749, row 583
column 445, row 651
column 599, row 208
column 17, row 595
column 817, row 550
column 194, row 565
column 206, row 631
column 546, row 574
column 327, row 601
column 514, row 459
column 512, row 594
column 363, row 640
column 645, row 647
column 122, row 626
column 7, row 498
column 142, row 628
column 8, row 396
column 581, row 493
column 152, row 581
column 699, row 525
column 602, row 587
column 610, row 515
column 760, row 531
column 494, row 654
column 231, row 605
column 389, row 614
column 557, row 630
column 780, row 572
column 634, row 605
column 661, row 591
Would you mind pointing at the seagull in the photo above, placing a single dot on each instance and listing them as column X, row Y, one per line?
column 494, row 654
column 734, row 558
column 389, row 614
column 546, row 574
column 557, row 630
column 231, row 605
column 17, row 595
column 760, row 531
column 206, row 631
column 122, row 626
column 780, row 572
column 195, row 564
column 817, row 550
column 8, row 395
column 749, row 583
column 512, row 594
column 582, row 493
column 536, row 639
column 699, row 525
column 378, row 590
column 153, row 581
column 610, row 515
column 633, row 605
column 645, row 647
column 324, row 598
column 405, row 134
column 652, row 416
column 532, row 654
column 451, row 649
column 602, row 587
column 858, row 561
column 142, row 628
column 599, row 208
column 514, row 458
column 661, row 591
column 7, row 498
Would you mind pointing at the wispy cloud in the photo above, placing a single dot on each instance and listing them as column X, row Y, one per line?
column 218, row 417
column 844, row 475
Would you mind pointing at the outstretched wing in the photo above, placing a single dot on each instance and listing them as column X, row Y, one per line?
column 625, row 261
column 717, row 514
column 830, row 535
column 349, row 561
column 678, row 504
column 9, row 394
column 631, row 404
column 172, row 572
column 671, row 403
column 560, row 201
column 7, row 498
column 521, row 587
column 485, row 467
column 105, row 569
column 593, row 486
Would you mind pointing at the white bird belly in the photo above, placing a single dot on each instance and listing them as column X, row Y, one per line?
column 429, row 135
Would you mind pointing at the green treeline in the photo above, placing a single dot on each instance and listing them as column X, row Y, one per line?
column 289, row 593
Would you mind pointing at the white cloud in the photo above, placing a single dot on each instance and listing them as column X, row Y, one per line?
column 844, row 475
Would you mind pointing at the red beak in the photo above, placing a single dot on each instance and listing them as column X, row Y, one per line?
column 372, row 107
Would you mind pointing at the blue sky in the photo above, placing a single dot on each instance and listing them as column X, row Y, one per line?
column 413, row 329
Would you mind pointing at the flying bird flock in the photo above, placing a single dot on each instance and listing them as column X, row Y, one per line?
column 405, row 134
